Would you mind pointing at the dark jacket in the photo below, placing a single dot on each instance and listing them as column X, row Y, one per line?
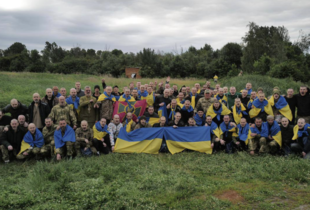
column 159, row 100
column 287, row 134
column 11, row 138
column 157, row 125
column 180, row 123
column 44, row 111
column 292, row 104
column 5, row 120
column 305, row 146
column 196, row 99
column 51, row 103
column 186, row 115
column 146, row 114
column 303, row 104
column 21, row 110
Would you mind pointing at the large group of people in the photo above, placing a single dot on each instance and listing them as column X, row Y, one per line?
column 81, row 123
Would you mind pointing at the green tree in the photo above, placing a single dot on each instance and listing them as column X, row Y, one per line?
column 231, row 53
column 14, row 49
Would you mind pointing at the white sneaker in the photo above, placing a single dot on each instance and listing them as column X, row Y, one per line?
column 6, row 161
column 98, row 153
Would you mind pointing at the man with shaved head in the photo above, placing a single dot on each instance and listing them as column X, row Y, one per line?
column 15, row 108
column 55, row 92
column 63, row 92
column 79, row 91
column 32, row 143
column 38, row 111
column 73, row 101
column 63, row 111
column 50, row 99
column 84, row 136
column 10, row 141
column 162, row 100
column 114, row 128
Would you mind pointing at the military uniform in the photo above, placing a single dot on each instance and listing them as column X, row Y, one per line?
column 204, row 104
column 31, row 152
column 65, row 112
column 106, row 109
column 80, row 136
column 69, row 147
column 138, row 126
column 87, row 110
column 48, row 134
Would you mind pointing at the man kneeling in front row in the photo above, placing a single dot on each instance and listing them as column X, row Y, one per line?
column 101, row 139
column 64, row 138
column 301, row 139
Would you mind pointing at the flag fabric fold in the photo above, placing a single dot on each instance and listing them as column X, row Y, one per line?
column 121, row 108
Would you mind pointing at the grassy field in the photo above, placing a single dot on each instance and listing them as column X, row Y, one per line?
column 139, row 181
column 22, row 85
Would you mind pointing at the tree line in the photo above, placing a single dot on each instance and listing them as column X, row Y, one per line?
column 264, row 50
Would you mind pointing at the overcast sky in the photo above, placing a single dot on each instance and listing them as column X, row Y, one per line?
column 133, row 25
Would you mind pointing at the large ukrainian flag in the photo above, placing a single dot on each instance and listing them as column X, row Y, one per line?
column 193, row 138
column 144, row 140
column 282, row 106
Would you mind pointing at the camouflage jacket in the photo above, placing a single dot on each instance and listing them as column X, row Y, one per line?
column 81, row 135
column 48, row 134
column 65, row 112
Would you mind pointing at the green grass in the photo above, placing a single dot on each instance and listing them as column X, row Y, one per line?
column 164, row 181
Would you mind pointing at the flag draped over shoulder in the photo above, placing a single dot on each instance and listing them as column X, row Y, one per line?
column 258, row 107
column 238, row 113
column 60, row 140
column 215, row 129
column 275, row 132
column 162, row 111
column 224, row 130
column 29, row 141
column 221, row 100
column 244, row 133
column 282, row 106
column 75, row 104
column 298, row 133
column 105, row 96
column 152, row 120
column 263, row 132
column 144, row 140
column 150, row 99
column 193, row 138
column 222, row 111
column 137, row 109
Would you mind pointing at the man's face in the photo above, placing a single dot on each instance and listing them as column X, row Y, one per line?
column 248, row 86
column 73, row 93
column 175, row 88
column 171, row 92
column 204, row 87
column 258, row 123
column 226, row 119
column 181, row 96
column 216, row 105
column 194, row 91
column 188, row 89
column 48, row 123
column 116, row 119
column 303, row 91
column 242, row 122
column 87, row 92
column 221, row 92
column 184, row 90
column 109, row 90
column 208, row 84
column 103, row 122
column 32, row 128
column 209, row 120
column 197, row 86
column 149, row 90
column 187, row 104
column 244, row 93
column 62, row 101
column 173, row 103
column 284, row 122
column 217, row 86
column 14, row 125
column 36, row 98
column 166, row 93
column 143, row 122
column 135, row 93
column 129, row 116
column 261, row 97
column 290, row 92
column 200, row 113
column 96, row 90
column 232, row 91
column 21, row 120
column 63, row 92
column 62, row 124
column 131, row 85
column 115, row 90
column 191, row 122
column 253, row 95
column 162, row 121
column 177, row 116
column 14, row 104
column 78, row 85
column 138, row 84
column 276, row 96
column 301, row 124
column 167, row 86
column 127, row 92
column 84, row 126
column 55, row 89
column 207, row 95
column 142, row 88
column 225, row 89
column 151, row 111
column 238, row 103
column 49, row 93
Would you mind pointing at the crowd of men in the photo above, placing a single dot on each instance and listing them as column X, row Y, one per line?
column 81, row 123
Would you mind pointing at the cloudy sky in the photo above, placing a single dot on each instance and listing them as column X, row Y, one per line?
column 128, row 25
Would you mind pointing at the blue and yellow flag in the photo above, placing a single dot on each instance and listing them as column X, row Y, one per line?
column 238, row 113
column 144, row 140
column 244, row 133
column 29, row 141
column 282, row 106
column 162, row 111
column 298, row 133
column 258, row 107
column 215, row 129
column 224, row 130
column 149, row 98
column 152, row 120
column 222, row 111
column 275, row 132
column 192, row 138
column 221, row 100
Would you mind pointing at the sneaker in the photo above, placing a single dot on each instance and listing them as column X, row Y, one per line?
column 98, row 153
column 7, row 161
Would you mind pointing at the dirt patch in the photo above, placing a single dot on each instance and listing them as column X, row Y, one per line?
column 231, row 196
